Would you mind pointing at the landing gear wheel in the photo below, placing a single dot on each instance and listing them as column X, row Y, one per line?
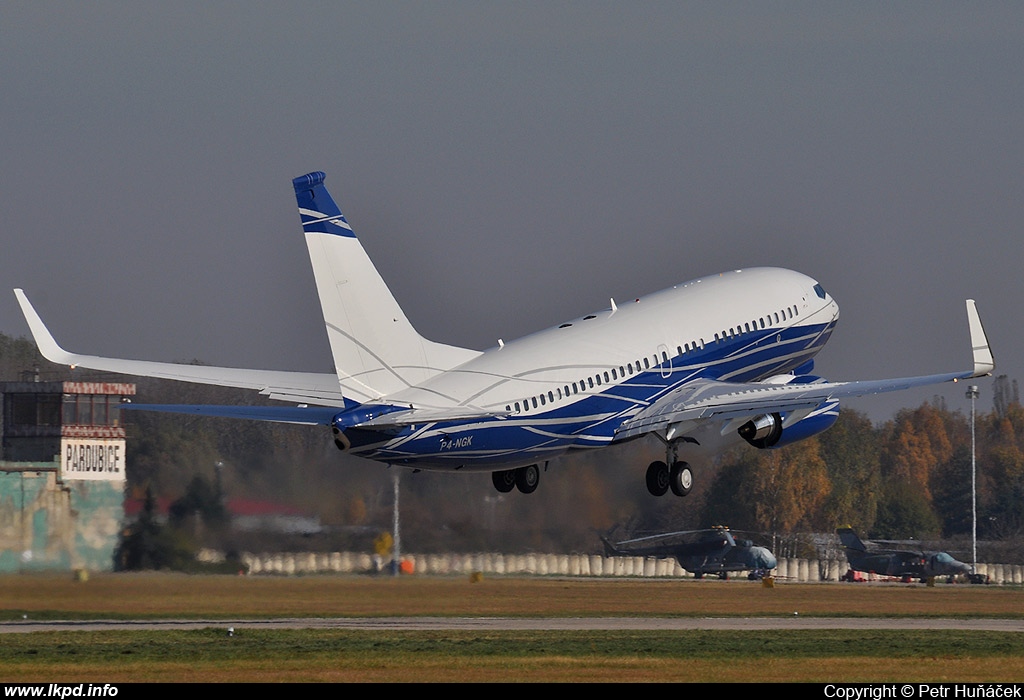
column 527, row 478
column 505, row 480
column 657, row 478
column 681, row 478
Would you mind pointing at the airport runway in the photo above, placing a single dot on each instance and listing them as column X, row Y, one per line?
column 795, row 622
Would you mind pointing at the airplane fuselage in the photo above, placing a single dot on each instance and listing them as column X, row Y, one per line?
column 571, row 386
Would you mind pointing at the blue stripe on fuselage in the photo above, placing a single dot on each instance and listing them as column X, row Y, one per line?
column 537, row 435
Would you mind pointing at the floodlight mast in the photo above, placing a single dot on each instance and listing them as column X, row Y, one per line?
column 396, row 566
column 972, row 394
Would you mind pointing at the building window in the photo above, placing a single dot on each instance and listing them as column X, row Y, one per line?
column 32, row 410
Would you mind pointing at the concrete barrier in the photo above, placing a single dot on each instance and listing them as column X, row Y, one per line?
column 575, row 565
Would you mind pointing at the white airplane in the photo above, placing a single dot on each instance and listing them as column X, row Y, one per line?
column 701, row 366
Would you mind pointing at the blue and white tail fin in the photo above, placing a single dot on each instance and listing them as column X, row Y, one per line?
column 376, row 349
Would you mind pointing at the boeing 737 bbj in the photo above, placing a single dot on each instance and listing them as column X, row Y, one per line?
column 701, row 366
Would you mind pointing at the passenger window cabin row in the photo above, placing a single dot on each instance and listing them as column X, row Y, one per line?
column 758, row 324
column 609, row 376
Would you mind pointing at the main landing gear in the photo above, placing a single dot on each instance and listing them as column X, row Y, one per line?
column 661, row 477
column 673, row 473
column 524, row 478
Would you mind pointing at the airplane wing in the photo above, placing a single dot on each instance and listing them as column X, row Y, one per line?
column 319, row 395
column 300, row 387
column 703, row 399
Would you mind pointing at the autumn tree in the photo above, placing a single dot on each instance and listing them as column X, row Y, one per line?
column 914, row 443
column 1001, row 471
column 729, row 501
column 18, row 356
column 851, row 452
column 951, row 492
column 772, row 491
column 1005, row 394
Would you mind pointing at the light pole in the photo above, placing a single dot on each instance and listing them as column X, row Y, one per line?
column 972, row 394
column 395, row 566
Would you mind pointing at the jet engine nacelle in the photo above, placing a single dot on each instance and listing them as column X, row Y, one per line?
column 818, row 421
column 771, row 430
column 762, row 431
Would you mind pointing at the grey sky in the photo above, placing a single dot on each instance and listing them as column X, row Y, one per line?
column 512, row 165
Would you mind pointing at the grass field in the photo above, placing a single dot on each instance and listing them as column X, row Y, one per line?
column 497, row 656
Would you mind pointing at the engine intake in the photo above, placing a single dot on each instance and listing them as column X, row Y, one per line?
column 762, row 431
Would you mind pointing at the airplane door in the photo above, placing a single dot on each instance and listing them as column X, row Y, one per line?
column 666, row 367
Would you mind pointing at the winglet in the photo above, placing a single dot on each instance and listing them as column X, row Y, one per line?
column 984, row 362
column 47, row 345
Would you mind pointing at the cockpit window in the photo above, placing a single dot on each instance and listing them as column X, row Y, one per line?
column 819, row 290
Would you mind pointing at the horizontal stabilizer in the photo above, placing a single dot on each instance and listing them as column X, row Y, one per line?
column 298, row 415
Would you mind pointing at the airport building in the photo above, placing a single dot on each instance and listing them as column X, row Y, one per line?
column 62, row 475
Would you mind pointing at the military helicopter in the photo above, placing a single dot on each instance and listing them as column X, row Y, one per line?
column 906, row 564
column 710, row 551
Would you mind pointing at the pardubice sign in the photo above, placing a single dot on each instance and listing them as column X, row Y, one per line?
column 92, row 459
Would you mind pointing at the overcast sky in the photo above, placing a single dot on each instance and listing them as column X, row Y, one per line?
column 512, row 165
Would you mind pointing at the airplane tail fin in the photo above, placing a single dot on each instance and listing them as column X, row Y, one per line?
column 849, row 538
column 376, row 349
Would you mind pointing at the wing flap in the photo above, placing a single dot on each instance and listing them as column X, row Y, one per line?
column 704, row 399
